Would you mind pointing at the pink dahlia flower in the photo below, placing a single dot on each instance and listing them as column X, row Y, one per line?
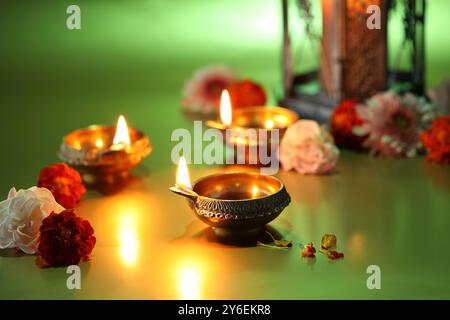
column 393, row 124
column 202, row 92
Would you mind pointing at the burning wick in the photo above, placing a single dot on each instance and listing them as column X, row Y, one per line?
column 225, row 108
column 122, row 137
column 269, row 124
column 99, row 143
column 183, row 181
column 225, row 113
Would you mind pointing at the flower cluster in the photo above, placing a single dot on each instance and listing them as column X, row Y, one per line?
column 203, row 91
column 308, row 148
column 392, row 124
column 65, row 239
column 32, row 221
column 64, row 183
column 437, row 140
column 342, row 121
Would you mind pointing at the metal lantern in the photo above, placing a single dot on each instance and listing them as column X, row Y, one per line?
column 354, row 61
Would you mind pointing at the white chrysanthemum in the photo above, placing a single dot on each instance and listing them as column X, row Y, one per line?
column 21, row 217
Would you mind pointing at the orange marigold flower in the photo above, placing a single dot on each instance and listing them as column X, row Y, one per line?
column 246, row 93
column 342, row 121
column 64, row 183
column 437, row 140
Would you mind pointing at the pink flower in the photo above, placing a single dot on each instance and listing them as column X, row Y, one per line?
column 308, row 148
column 393, row 124
column 202, row 92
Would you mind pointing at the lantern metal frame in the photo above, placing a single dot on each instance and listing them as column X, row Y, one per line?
column 320, row 106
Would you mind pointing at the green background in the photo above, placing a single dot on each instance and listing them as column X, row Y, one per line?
column 133, row 57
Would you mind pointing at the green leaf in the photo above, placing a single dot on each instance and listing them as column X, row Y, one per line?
column 277, row 244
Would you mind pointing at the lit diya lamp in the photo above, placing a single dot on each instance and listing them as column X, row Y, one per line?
column 233, row 203
column 252, row 128
column 105, row 155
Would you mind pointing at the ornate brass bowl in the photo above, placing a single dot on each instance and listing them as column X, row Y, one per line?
column 237, row 203
column 257, row 117
column 245, row 134
column 102, row 167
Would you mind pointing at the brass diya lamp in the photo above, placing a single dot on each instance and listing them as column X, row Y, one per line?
column 105, row 155
column 268, row 123
column 233, row 204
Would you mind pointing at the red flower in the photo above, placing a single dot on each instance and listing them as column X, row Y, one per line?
column 65, row 239
column 308, row 251
column 64, row 183
column 437, row 140
column 246, row 93
column 343, row 119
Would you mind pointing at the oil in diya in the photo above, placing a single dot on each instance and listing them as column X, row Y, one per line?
column 105, row 155
column 233, row 204
column 252, row 133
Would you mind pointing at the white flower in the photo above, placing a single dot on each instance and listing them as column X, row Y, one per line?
column 308, row 148
column 21, row 217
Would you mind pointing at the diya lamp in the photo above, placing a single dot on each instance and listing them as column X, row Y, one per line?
column 233, row 204
column 105, row 155
column 239, row 121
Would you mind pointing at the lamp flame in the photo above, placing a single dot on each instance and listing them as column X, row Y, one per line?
column 269, row 124
column 225, row 108
column 99, row 143
column 122, row 136
column 183, row 180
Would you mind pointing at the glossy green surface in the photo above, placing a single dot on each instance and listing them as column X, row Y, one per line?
column 134, row 58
